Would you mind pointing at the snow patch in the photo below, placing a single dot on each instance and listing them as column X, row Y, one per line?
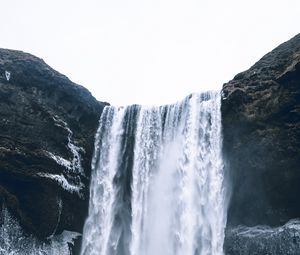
column 264, row 231
column 70, row 179
column 7, row 75
column 60, row 160
column 75, row 150
column 63, row 182
column 13, row 240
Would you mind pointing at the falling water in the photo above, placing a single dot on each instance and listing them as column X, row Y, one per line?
column 158, row 183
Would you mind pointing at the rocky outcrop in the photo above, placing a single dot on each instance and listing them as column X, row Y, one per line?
column 264, row 240
column 47, row 130
column 261, row 126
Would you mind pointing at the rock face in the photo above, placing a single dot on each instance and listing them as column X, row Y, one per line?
column 263, row 240
column 47, row 132
column 261, row 122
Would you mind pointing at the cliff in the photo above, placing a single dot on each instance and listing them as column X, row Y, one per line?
column 261, row 128
column 47, row 133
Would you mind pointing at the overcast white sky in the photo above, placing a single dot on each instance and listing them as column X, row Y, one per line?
column 149, row 52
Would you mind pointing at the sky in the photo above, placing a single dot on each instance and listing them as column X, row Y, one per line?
column 148, row 51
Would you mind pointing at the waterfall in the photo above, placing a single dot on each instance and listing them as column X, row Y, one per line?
column 157, row 184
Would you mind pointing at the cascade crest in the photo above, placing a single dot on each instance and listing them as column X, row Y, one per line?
column 158, row 184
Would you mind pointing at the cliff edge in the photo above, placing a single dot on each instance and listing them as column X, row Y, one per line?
column 47, row 133
column 261, row 128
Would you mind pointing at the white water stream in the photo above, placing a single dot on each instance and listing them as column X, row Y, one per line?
column 157, row 185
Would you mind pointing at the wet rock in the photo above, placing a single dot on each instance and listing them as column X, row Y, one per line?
column 47, row 127
column 261, row 128
column 283, row 240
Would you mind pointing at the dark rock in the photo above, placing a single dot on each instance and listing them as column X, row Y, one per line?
column 261, row 128
column 284, row 240
column 44, row 115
